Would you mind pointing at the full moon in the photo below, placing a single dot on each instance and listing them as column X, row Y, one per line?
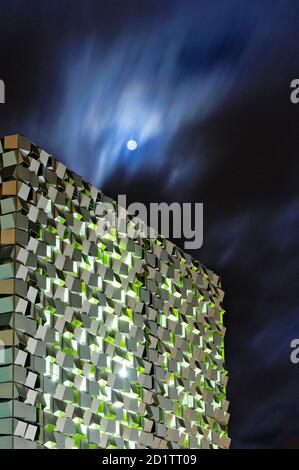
column 132, row 144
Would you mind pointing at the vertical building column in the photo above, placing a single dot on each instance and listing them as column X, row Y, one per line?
column 8, row 209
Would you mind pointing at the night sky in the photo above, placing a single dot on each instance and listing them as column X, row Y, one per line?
column 204, row 88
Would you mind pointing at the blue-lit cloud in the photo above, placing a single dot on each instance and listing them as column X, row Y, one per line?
column 131, row 90
column 145, row 86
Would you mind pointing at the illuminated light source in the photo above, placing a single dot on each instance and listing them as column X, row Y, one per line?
column 132, row 144
column 123, row 372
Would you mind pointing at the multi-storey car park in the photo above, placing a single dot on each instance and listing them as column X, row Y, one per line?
column 105, row 341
